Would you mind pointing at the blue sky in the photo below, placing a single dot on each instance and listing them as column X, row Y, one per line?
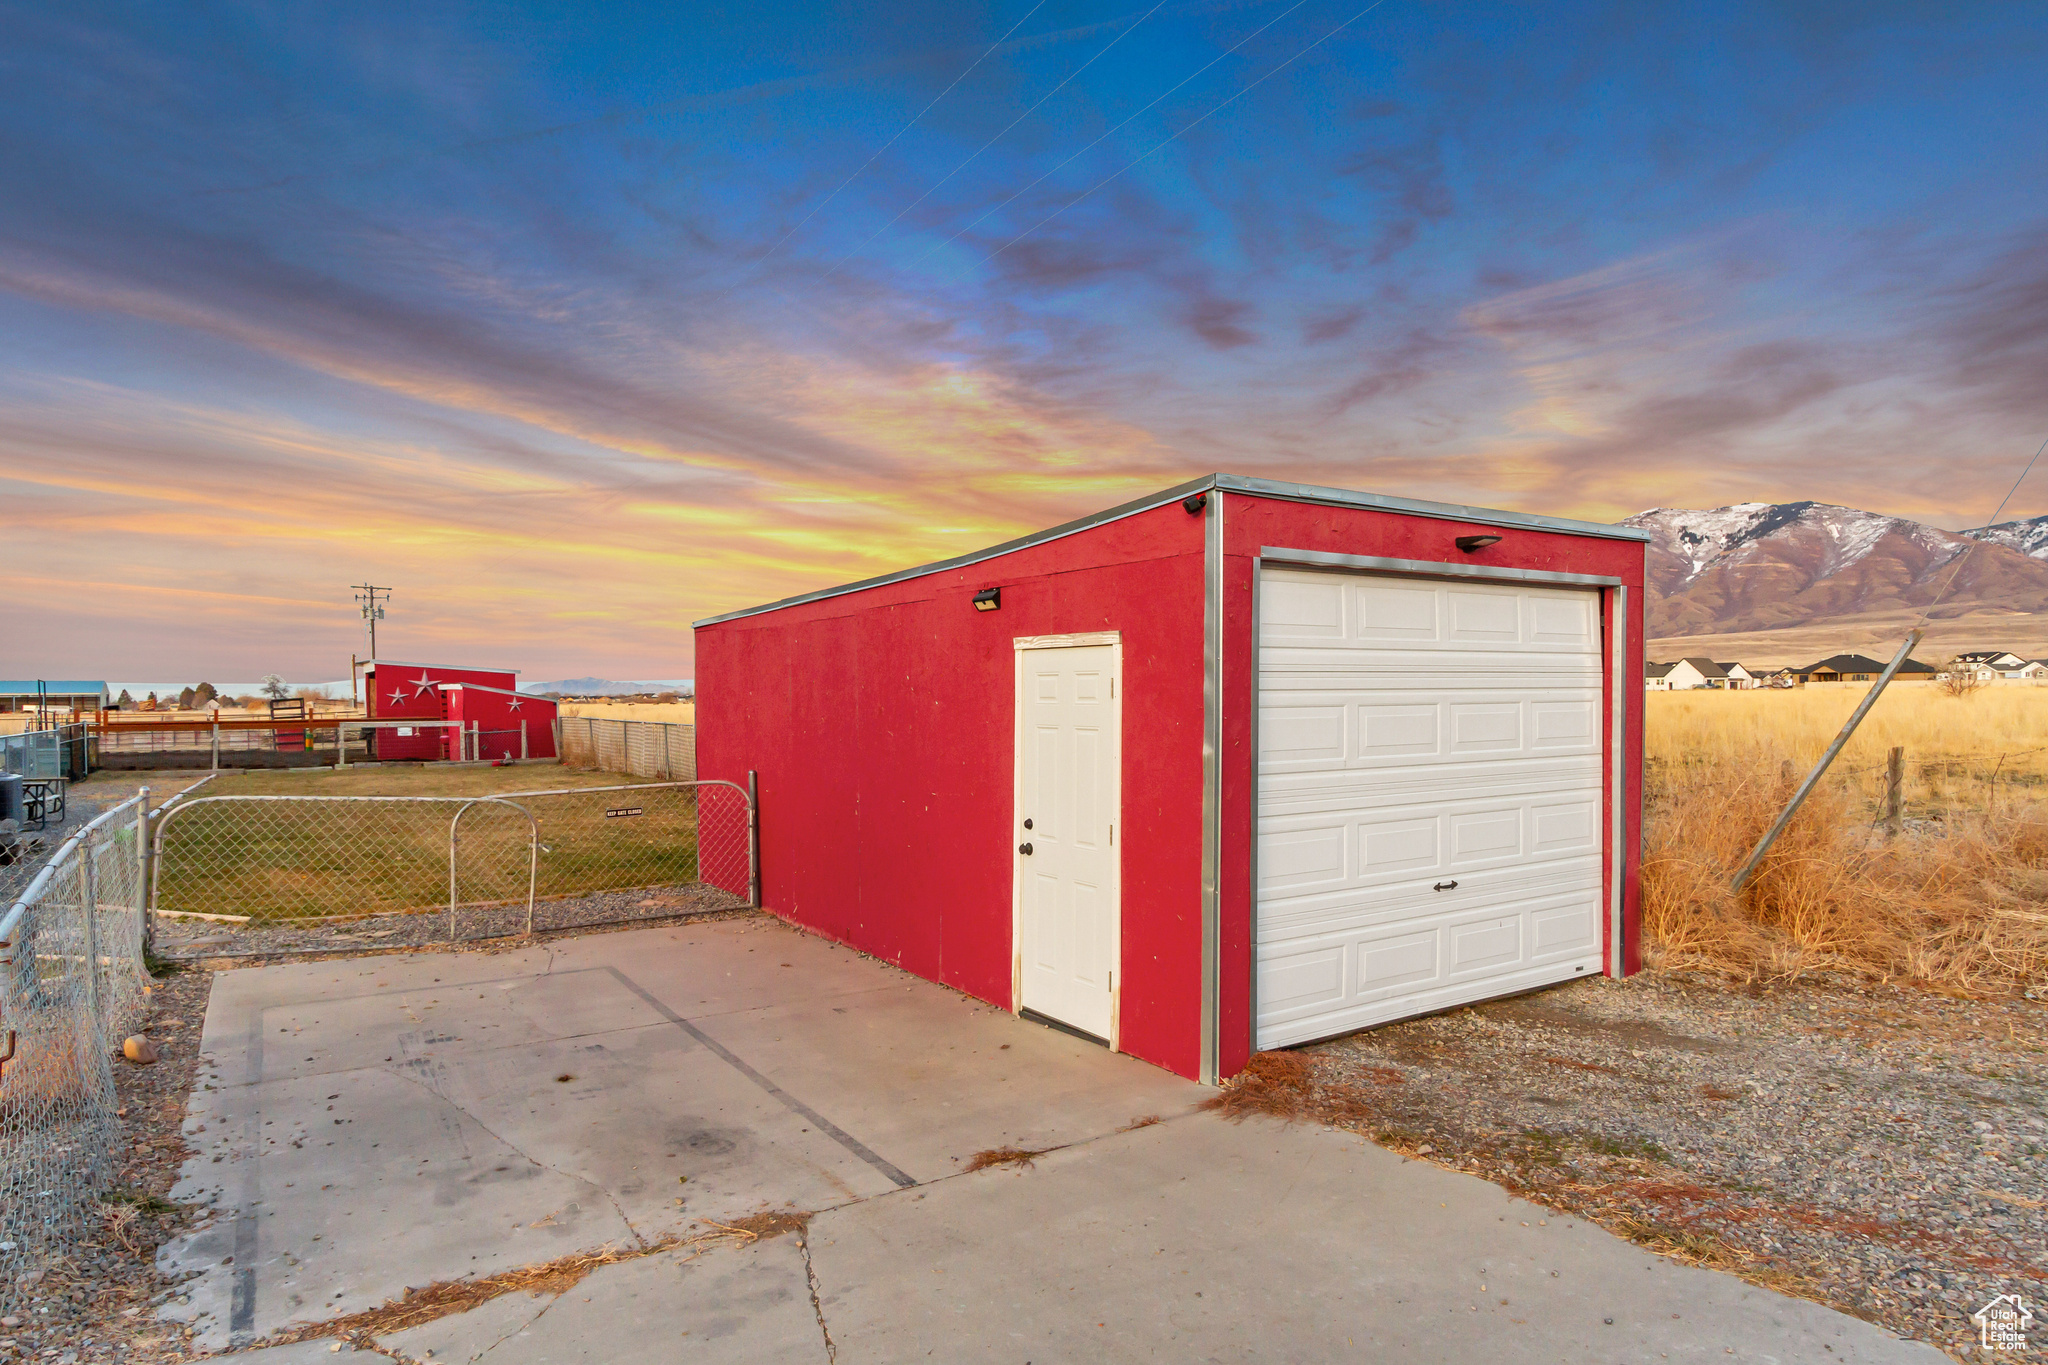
column 577, row 324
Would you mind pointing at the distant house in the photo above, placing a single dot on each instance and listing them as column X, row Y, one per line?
column 1684, row 675
column 2034, row 670
column 1739, row 677
column 1856, row 668
column 1996, row 660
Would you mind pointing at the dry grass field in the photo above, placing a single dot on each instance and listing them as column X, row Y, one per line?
column 1958, row 899
column 673, row 712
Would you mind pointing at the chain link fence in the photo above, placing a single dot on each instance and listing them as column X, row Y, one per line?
column 71, row 981
column 259, row 874
column 639, row 748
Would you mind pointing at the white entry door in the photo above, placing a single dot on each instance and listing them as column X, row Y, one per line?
column 1430, row 796
column 1068, row 742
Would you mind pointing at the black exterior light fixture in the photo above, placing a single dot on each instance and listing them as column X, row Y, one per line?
column 1193, row 505
column 1469, row 544
column 989, row 599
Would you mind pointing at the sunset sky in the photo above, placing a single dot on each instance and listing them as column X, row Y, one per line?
column 574, row 324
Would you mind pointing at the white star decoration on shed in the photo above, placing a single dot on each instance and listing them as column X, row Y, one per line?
column 515, row 703
column 423, row 684
column 398, row 696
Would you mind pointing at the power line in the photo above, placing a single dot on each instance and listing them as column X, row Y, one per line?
column 1189, row 127
column 997, row 138
column 1974, row 542
column 1111, row 133
column 776, row 245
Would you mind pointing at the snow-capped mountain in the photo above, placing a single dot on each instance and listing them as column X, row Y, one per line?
column 1763, row 566
column 2029, row 537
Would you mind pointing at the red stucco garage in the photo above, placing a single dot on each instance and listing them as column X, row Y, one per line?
column 1236, row 766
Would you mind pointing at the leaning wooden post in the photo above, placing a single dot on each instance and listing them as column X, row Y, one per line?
column 1895, row 791
column 1820, row 769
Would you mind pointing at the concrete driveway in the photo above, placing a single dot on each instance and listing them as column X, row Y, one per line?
column 372, row 1124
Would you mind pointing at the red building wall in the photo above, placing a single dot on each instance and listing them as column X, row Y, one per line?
column 498, row 717
column 882, row 725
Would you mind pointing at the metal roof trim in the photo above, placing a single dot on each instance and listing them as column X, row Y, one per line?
column 415, row 663
column 1060, row 532
column 1448, row 511
column 1229, row 483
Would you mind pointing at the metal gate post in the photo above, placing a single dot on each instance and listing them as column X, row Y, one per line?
column 89, row 873
column 143, row 884
column 753, row 839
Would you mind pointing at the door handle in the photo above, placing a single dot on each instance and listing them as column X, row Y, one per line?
column 1024, row 849
column 1445, row 886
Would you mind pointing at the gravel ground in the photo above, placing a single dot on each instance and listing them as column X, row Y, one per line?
column 191, row 938
column 95, row 1305
column 1879, row 1149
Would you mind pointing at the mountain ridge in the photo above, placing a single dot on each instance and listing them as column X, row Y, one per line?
column 1759, row 566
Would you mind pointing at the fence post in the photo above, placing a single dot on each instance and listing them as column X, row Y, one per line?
column 142, row 877
column 88, row 872
column 753, row 838
column 216, row 744
column 522, row 739
column 1894, row 790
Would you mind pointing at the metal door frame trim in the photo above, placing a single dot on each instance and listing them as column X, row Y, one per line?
column 1213, row 689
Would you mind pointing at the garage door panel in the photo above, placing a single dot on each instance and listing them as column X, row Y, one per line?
column 1304, row 858
column 1306, row 981
column 1485, row 836
column 1334, row 850
column 1399, row 788
column 1398, row 847
column 1572, row 826
column 1373, row 906
column 1395, row 611
column 1472, row 759
column 1301, row 610
column 1572, row 929
column 1483, row 727
column 1333, row 974
column 1406, row 1003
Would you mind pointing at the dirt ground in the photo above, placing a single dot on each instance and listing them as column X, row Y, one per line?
column 1878, row 1149
column 96, row 1305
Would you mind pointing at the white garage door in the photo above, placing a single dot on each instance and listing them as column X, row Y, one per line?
column 1429, row 796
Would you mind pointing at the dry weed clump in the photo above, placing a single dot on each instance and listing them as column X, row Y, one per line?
column 446, row 1297
column 1004, row 1156
column 1956, row 903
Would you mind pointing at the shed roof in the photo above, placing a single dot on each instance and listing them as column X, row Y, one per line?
column 55, row 687
column 1228, row 483
column 1860, row 663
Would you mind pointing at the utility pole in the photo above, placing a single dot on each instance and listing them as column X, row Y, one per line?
column 366, row 597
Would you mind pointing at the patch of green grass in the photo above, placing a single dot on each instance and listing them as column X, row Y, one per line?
column 141, row 1202
column 282, row 860
column 1641, row 1148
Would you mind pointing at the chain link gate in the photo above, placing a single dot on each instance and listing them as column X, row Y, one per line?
column 339, row 873
column 71, row 980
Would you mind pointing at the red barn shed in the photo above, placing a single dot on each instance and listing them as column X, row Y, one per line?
column 483, row 704
column 1237, row 766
